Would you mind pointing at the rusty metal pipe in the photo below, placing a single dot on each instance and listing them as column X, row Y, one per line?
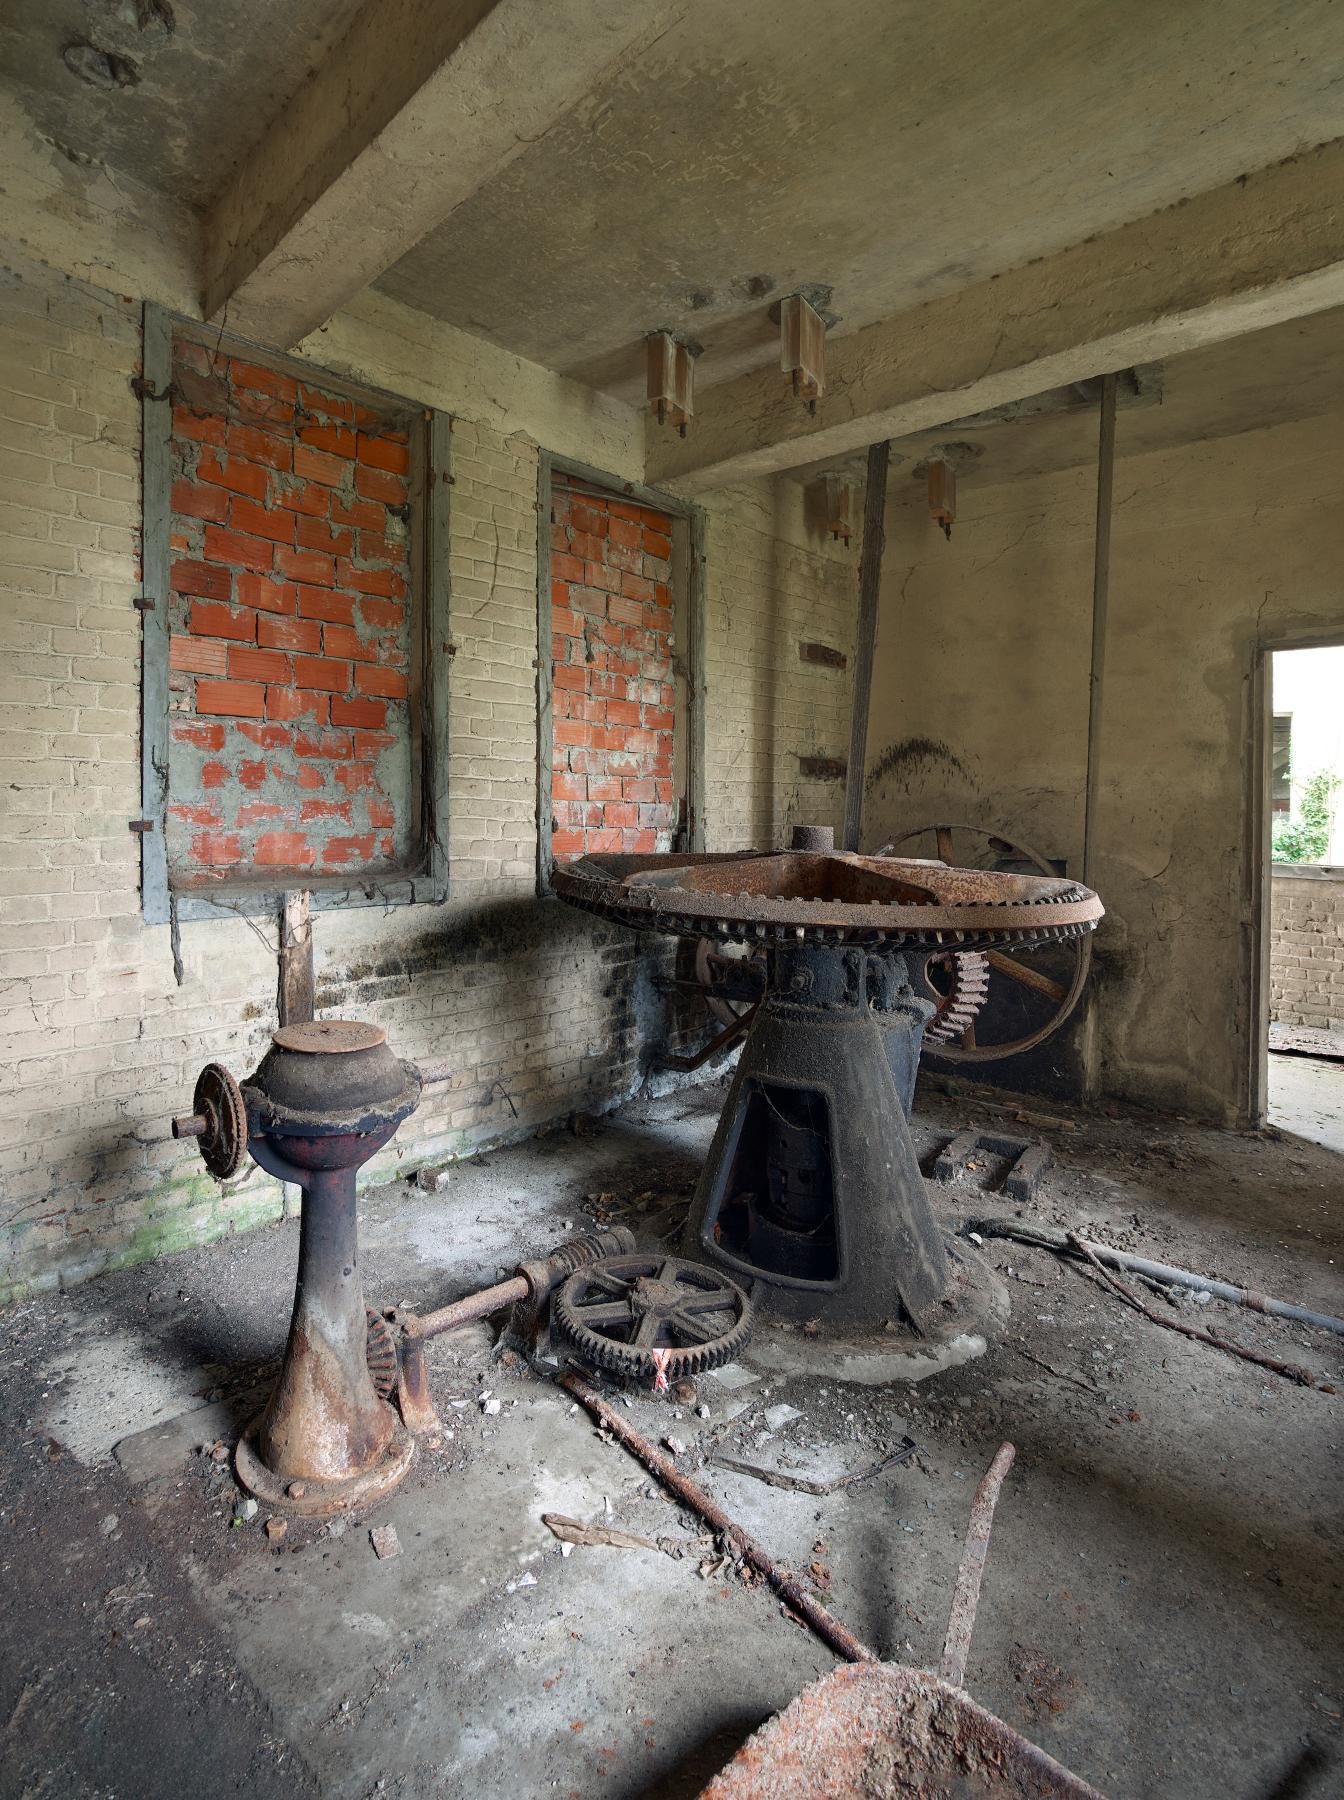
column 787, row 1585
column 966, row 1596
column 462, row 1312
column 532, row 1280
column 191, row 1125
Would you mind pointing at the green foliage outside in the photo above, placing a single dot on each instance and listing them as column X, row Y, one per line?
column 1305, row 836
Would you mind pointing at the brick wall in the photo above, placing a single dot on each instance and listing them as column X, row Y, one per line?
column 1306, row 965
column 540, row 1009
column 613, row 691
column 774, row 581
column 290, row 746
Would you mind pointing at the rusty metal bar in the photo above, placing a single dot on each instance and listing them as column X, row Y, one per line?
column 787, row 1585
column 870, row 583
column 462, row 1312
column 966, row 1598
column 723, row 1040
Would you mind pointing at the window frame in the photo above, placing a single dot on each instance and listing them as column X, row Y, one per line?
column 425, row 878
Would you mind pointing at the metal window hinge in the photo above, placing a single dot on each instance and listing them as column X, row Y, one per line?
column 141, row 604
column 144, row 389
column 141, row 826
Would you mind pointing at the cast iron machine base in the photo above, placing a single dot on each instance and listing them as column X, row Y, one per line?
column 326, row 1097
column 812, row 1182
column 811, row 1195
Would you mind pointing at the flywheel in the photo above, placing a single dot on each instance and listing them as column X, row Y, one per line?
column 616, row 1312
column 993, row 1003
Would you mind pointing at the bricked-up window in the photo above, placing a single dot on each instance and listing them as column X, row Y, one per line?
column 295, row 620
column 613, row 685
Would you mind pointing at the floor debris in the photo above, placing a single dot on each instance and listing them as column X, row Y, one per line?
column 385, row 1542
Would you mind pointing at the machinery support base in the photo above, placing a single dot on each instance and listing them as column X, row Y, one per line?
column 974, row 1313
column 320, row 1499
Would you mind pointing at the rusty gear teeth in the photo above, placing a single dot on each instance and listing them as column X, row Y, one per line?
column 380, row 1353
column 957, row 1010
column 219, row 1101
column 603, row 1311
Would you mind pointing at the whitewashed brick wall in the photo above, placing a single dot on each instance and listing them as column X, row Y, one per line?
column 540, row 1009
column 773, row 584
column 1306, row 968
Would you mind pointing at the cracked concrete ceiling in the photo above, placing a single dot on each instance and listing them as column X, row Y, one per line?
column 891, row 150
column 207, row 88
column 1290, row 371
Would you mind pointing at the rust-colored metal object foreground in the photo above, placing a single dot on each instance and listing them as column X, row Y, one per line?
column 880, row 1731
column 327, row 1096
column 811, row 897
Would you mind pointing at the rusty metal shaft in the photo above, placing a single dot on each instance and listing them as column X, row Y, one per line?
column 462, row 1312
column 786, row 1584
column 534, row 1279
column 966, row 1596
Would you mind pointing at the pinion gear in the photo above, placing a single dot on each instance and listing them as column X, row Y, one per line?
column 618, row 1310
column 958, row 1003
column 380, row 1353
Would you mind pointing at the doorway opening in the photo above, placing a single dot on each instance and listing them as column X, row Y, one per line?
column 1305, row 912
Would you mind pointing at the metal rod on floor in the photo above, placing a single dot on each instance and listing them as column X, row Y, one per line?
column 1046, row 1237
column 966, row 1598
column 1290, row 1371
column 865, row 639
column 787, row 1585
column 1101, row 590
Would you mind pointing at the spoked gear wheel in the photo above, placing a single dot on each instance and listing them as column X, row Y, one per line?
column 380, row 1353
column 1021, row 1003
column 219, row 1101
column 958, row 985
column 617, row 1311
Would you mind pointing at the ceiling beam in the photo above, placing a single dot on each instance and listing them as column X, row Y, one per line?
column 412, row 112
column 1265, row 248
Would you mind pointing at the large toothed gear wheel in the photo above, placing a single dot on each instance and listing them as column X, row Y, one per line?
column 617, row 1311
column 218, row 1100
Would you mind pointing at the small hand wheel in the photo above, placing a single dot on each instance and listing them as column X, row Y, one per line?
column 219, row 1103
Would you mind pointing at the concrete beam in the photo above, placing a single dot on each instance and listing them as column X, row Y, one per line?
column 1263, row 249
column 414, row 110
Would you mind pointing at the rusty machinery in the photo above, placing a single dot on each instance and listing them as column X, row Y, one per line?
column 988, row 1005
column 326, row 1098
column 991, row 1004
column 811, row 1194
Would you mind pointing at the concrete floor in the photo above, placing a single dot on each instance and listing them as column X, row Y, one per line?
column 1162, row 1608
column 1306, row 1098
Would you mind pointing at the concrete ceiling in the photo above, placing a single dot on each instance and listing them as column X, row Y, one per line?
column 892, row 151
column 206, row 88
column 1290, row 371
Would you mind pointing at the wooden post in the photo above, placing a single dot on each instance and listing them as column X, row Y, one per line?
column 297, row 985
column 870, row 582
column 1101, row 589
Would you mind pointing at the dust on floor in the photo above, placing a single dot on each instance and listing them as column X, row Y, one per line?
column 1162, row 1608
